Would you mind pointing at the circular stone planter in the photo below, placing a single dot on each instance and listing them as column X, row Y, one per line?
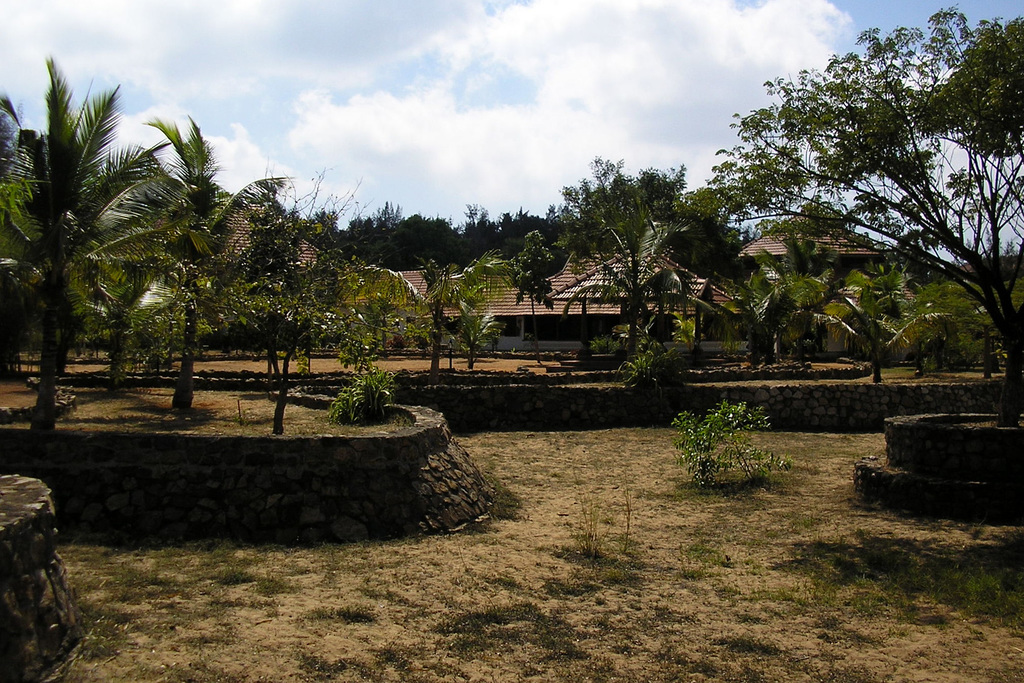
column 283, row 489
column 955, row 466
column 40, row 624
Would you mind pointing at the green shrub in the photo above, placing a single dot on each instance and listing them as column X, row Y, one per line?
column 605, row 345
column 366, row 399
column 653, row 367
column 720, row 443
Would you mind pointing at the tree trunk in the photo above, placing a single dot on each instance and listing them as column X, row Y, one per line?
column 282, row 395
column 536, row 336
column 876, row 370
column 185, row 387
column 45, row 414
column 435, row 349
column 1011, row 402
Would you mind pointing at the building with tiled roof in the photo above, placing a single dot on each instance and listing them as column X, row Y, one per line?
column 572, row 319
column 852, row 254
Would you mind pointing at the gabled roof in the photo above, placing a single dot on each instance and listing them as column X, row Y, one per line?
column 567, row 283
column 776, row 246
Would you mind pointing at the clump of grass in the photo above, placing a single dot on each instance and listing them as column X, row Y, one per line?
column 588, row 534
column 516, row 624
column 877, row 574
column 346, row 615
column 234, row 576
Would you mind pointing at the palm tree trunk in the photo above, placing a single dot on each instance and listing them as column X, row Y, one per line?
column 1011, row 401
column 435, row 349
column 185, row 387
column 45, row 414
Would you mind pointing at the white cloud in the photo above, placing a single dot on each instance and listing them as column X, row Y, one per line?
column 654, row 82
column 431, row 104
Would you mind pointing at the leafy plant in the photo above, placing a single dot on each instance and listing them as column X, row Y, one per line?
column 605, row 344
column 653, row 367
column 720, row 443
column 366, row 399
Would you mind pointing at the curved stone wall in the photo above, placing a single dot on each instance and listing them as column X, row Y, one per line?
column 39, row 621
column 284, row 489
column 956, row 466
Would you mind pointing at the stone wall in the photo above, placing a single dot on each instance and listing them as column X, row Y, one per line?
column 284, row 489
column 224, row 380
column 65, row 403
column 954, row 466
column 822, row 406
column 39, row 621
column 956, row 447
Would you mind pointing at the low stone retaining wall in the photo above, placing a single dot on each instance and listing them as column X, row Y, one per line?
column 217, row 380
column 39, row 621
column 840, row 406
column 955, row 466
column 282, row 489
column 65, row 404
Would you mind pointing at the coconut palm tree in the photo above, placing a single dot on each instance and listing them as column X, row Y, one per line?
column 199, row 212
column 872, row 314
column 639, row 270
column 448, row 286
column 82, row 206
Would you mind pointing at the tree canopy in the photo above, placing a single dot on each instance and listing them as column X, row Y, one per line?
column 917, row 140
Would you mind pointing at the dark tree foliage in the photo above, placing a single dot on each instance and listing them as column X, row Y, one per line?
column 708, row 245
column 386, row 238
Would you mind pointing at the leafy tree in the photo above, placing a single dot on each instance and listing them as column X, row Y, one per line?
column 279, row 293
column 80, row 209
column 593, row 203
column 200, row 214
column 720, row 443
column 369, row 238
column 957, row 339
column 449, row 286
column 418, row 239
column 762, row 308
column 529, row 272
column 918, row 139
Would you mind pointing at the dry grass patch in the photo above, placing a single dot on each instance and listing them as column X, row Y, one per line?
column 791, row 579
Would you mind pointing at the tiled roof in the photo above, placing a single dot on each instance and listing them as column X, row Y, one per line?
column 567, row 283
column 776, row 246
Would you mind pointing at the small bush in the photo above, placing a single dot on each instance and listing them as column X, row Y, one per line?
column 720, row 443
column 366, row 399
column 653, row 367
column 605, row 345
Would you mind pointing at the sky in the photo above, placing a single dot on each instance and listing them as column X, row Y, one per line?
column 433, row 105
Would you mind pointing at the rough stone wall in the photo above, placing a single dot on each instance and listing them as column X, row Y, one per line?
column 840, row 406
column 224, row 380
column 39, row 621
column 956, row 447
column 65, row 403
column 280, row 489
column 948, row 466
